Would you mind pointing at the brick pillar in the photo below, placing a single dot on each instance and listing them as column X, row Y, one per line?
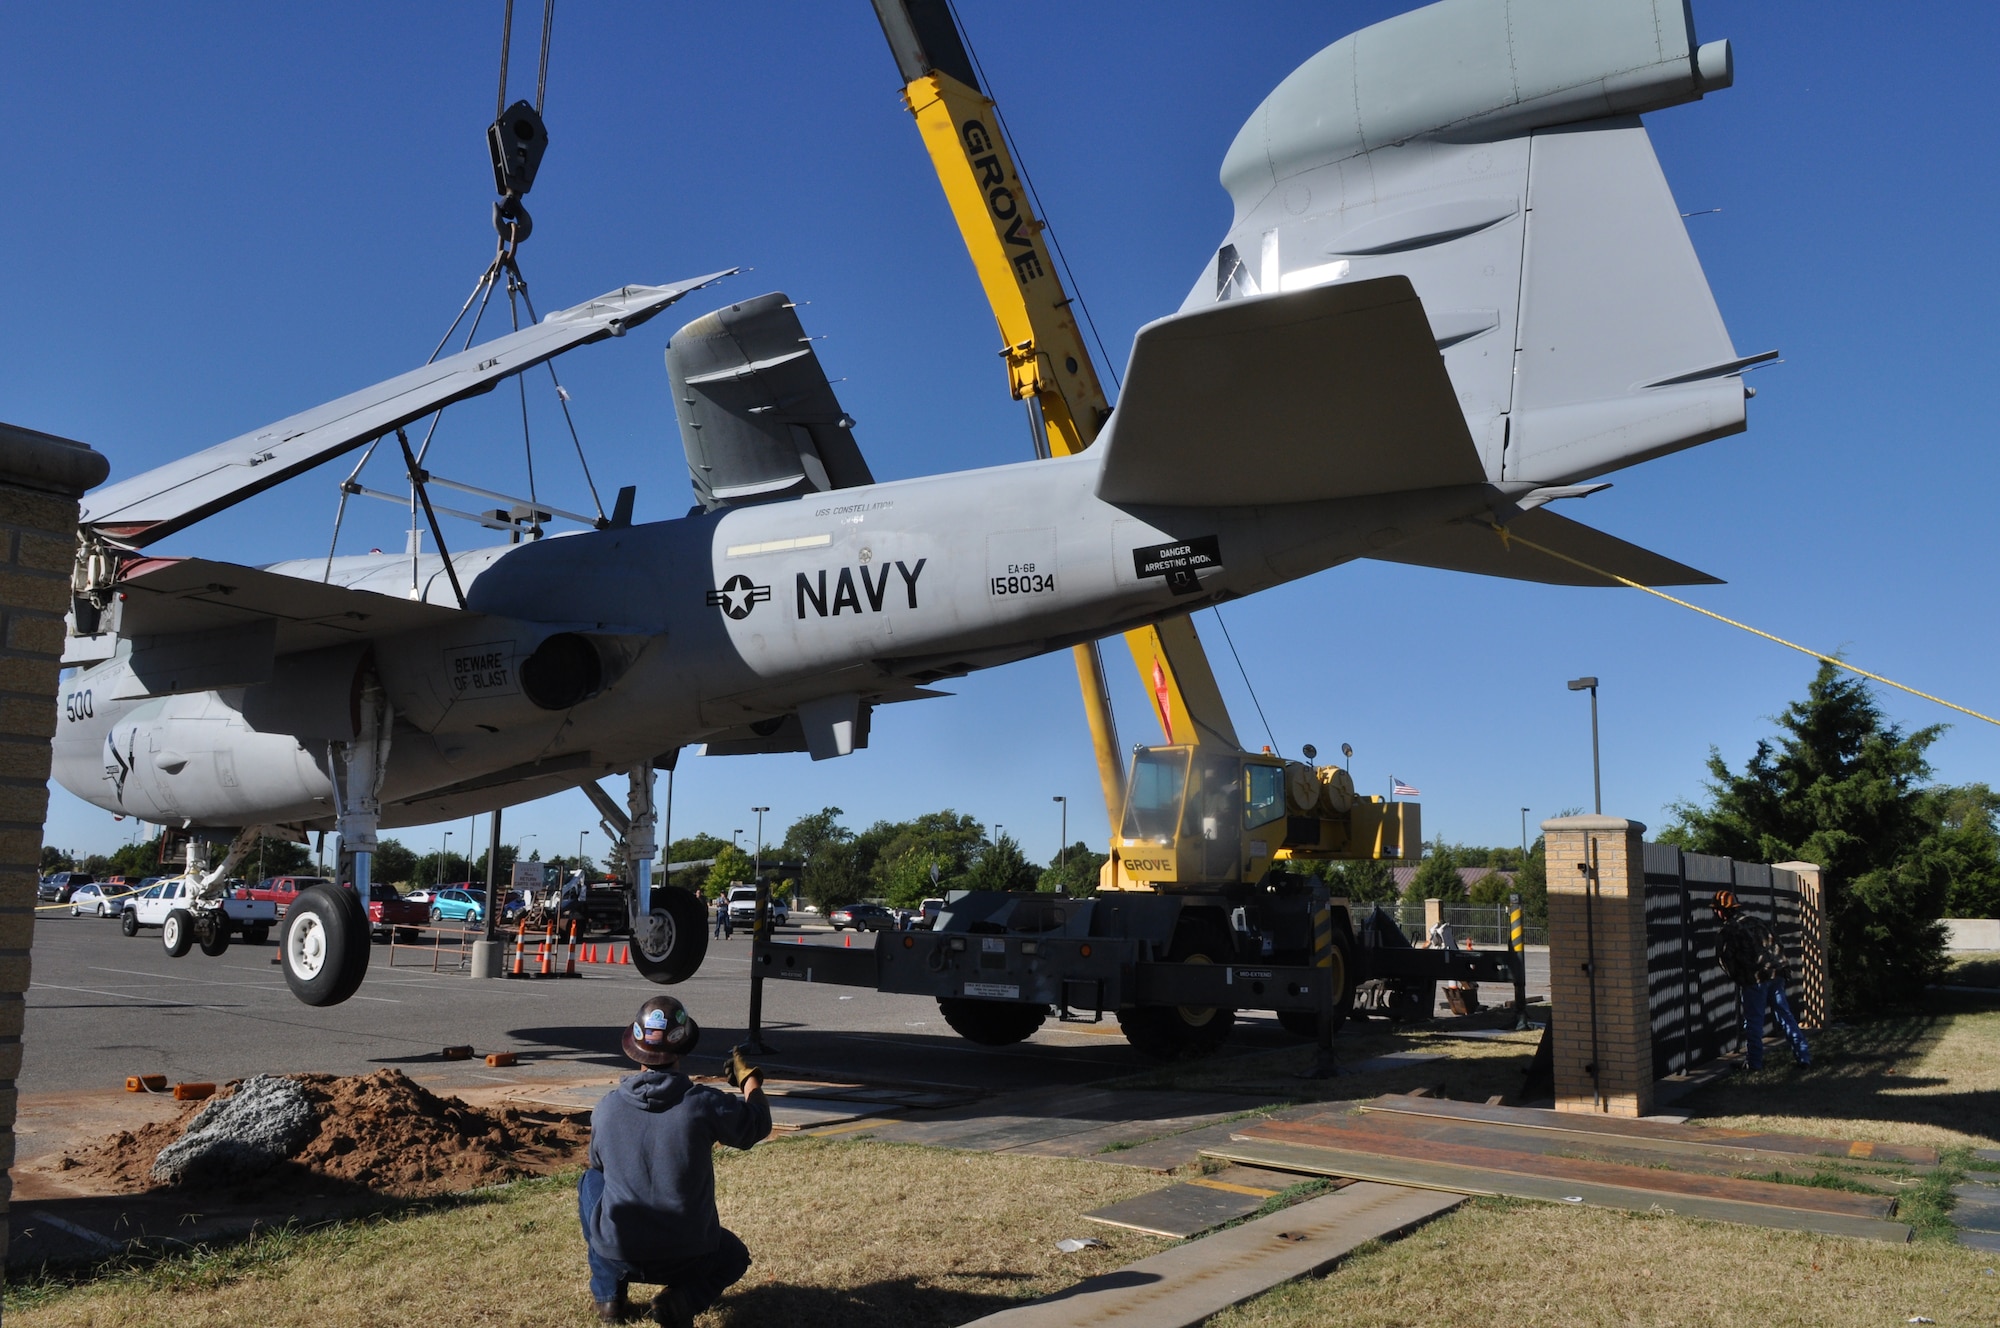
column 1433, row 914
column 41, row 478
column 1599, row 932
column 1811, row 995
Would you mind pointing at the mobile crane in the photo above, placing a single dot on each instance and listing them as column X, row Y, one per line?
column 1197, row 914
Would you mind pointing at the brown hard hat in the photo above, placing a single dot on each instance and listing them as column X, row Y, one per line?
column 1724, row 901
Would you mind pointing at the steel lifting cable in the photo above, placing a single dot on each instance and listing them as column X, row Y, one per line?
column 1217, row 611
column 1509, row 538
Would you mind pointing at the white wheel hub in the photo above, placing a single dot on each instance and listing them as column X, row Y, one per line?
column 656, row 941
column 305, row 946
column 170, row 932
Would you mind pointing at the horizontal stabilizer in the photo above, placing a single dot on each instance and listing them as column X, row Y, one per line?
column 1333, row 392
column 149, row 507
column 1467, row 547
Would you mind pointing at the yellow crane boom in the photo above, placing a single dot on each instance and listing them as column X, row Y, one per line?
column 1047, row 362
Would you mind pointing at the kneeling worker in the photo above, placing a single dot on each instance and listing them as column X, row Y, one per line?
column 648, row 1198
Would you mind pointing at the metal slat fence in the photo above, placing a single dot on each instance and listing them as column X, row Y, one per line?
column 1485, row 925
column 1694, row 1005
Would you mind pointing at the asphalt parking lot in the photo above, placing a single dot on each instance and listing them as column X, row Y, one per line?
column 103, row 1006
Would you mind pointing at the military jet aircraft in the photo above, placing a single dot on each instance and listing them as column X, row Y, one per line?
column 1456, row 289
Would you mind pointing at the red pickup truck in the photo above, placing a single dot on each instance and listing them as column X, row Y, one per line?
column 387, row 910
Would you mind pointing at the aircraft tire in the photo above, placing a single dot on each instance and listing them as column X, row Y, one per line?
column 128, row 922
column 324, row 947
column 1180, row 1032
column 669, row 946
column 215, row 942
column 177, row 933
column 992, row 1023
column 257, row 934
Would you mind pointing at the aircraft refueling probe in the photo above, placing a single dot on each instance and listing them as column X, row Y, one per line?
column 1376, row 371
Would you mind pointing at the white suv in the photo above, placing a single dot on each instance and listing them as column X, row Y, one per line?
column 743, row 907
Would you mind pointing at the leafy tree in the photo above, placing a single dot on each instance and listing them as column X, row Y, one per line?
column 1437, row 877
column 1532, row 883
column 1074, row 871
column 1002, row 866
column 905, row 853
column 1490, row 889
column 806, row 835
column 1840, row 788
column 914, row 876
column 54, row 859
column 509, row 854
column 1364, row 882
column 1962, row 824
column 135, row 861
column 732, row 865
column 394, row 863
column 832, row 876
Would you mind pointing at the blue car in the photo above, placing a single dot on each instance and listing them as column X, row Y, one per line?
column 461, row 906
column 468, row 907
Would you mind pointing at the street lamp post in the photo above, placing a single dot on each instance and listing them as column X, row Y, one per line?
column 579, row 850
column 1596, row 776
column 1062, row 846
column 1524, row 834
column 444, row 847
column 760, row 935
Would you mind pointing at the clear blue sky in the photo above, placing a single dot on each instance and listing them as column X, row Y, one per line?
column 220, row 214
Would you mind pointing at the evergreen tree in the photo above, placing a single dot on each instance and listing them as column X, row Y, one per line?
column 1840, row 788
column 1437, row 876
column 831, row 878
column 1368, row 881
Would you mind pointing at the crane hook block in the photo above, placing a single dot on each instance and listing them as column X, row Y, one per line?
column 516, row 140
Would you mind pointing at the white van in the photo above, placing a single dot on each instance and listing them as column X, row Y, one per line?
column 743, row 907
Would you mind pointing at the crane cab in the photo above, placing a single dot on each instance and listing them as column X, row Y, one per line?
column 1199, row 816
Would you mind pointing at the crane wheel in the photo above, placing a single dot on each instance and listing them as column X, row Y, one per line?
column 992, row 1023
column 1183, row 1032
column 1305, row 1023
column 669, row 944
column 324, row 947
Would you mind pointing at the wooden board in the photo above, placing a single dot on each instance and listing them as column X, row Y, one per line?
column 1182, row 1211
column 1461, row 1179
column 1577, row 1122
column 1704, row 1159
column 1190, row 1283
column 1664, row 1184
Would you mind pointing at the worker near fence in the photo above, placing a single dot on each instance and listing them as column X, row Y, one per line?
column 1750, row 954
column 647, row 1200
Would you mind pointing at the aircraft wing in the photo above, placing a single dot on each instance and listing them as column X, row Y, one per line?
column 149, row 507
column 1336, row 391
column 1467, row 547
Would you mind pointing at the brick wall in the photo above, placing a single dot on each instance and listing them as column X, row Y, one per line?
column 1601, row 1026
column 41, row 478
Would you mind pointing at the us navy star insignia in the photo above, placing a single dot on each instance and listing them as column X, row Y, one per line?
column 738, row 596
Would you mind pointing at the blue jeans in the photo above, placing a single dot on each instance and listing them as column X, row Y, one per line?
column 1755, row 998
column 701, row 1278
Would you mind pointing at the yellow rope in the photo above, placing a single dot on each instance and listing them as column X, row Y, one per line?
column 1508, row 537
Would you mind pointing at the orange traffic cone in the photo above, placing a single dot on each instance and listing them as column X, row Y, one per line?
column 590, row 953
column 625, row 955
column 848, row 943
column 569, row 961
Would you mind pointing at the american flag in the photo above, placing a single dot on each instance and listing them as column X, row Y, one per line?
column 1403, row 790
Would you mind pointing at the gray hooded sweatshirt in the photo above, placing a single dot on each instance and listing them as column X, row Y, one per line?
column 651, row 1137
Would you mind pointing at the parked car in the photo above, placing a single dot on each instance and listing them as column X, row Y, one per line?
column 459, row 905
column 106, row 901
column 423, row 896
column 927, row 918
column 249, row 918
column 391, row 911
column 278, row 891
column 862, row 917
column 743, row 907
column 57, row 887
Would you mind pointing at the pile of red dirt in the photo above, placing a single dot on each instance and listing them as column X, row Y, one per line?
column 381, row 1132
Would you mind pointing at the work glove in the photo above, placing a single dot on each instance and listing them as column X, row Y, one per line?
column 739, row 1069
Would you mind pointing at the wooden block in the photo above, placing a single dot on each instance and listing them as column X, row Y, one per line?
column 193, row 1092
column 497, row 1059
column 462, row 1052
column 145, row 1083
